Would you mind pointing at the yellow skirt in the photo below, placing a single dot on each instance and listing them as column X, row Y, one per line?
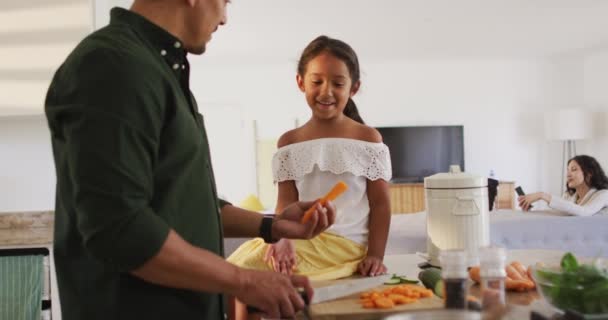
column 325, row 257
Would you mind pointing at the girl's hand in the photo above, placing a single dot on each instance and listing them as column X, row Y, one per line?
column 526, row 201
column 371, row 266
column 282, row 255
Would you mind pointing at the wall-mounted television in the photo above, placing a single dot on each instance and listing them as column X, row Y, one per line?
column 419, row 152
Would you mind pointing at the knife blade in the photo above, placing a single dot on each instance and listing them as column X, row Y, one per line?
column 335, row 291
column 346, row 288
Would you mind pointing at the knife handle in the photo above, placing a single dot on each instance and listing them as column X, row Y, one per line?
column 301, row 292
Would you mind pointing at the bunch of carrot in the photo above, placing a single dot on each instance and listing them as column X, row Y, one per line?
column 390, row 297
column 519, row 278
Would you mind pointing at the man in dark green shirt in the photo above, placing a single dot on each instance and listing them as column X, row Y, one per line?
column 139, row 226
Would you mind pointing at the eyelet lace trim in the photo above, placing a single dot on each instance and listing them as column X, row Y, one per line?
column 336, row 155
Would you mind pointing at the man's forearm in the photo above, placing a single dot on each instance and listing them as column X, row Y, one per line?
column 179, row 264
column 240, row 222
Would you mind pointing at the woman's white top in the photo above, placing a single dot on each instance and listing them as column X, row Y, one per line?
column 317, row 165
column 594, row 202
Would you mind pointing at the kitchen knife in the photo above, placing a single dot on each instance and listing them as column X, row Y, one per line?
column 339, row 290
column 347, row 287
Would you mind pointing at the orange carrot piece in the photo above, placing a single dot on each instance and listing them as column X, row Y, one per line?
column 529, row 273
column 426, row 294
column 513, row 273
column 518, row 284
column 402, row 290
column 365, row 295
column 369, row 305
column 336, row 191
column 384, row 303
column 520, row 268
column 397, row 298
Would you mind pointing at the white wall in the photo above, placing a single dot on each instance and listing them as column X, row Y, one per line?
column 500, row 103
column 27, row 172
column 596, row 99
column 30, row 52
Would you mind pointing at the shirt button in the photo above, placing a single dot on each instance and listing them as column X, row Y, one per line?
column 183, row 66
column 175, row 66
column 163, row 53
column 177, row 44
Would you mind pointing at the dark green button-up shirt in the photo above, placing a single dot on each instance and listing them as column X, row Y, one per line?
column 132, row 161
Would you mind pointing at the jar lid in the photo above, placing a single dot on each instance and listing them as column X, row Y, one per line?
column 492, row 261
column 453, row 264
column 455, row 179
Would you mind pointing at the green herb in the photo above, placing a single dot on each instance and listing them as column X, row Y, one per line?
column 569, row 262
column 582, row 288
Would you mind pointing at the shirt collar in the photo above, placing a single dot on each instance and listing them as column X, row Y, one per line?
column 166, row 45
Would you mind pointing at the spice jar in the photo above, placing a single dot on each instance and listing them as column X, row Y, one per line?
column 492, row 273
column 454, row 273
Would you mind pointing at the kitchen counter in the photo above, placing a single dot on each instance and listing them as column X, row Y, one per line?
column 26, row 229
column 348, row 308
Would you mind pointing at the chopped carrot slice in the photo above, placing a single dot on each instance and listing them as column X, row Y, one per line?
column 384, row 303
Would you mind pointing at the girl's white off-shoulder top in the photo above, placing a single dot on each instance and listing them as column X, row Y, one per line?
column 317, row 165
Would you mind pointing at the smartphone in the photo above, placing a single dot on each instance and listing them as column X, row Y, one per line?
column 520, row 192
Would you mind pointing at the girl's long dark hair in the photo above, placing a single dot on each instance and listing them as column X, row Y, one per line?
column 592, row 171
column 342, row 51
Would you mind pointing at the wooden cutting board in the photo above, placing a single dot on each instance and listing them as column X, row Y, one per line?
column 349, row 307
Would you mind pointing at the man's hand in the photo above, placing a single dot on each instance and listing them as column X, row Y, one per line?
column 274, row 294
column 287, row 224
column 371, row 266
column 283, row 256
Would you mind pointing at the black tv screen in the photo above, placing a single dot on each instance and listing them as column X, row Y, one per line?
column 419, row 152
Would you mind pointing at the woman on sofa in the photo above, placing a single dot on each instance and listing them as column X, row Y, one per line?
column 586, row 190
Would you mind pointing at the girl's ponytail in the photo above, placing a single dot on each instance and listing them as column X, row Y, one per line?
column 352, row 112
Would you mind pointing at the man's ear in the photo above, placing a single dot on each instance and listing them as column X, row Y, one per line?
column 355, row 88
column 300, row 81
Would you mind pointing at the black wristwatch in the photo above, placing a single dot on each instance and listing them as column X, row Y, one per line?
column 266, row 229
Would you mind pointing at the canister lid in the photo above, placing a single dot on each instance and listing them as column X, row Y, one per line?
column 492, row 262
column 455, row 179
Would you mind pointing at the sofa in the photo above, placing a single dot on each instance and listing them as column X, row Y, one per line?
column 512, row 229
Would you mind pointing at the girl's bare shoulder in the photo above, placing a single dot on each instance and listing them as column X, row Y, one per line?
column 366, row 133
column 296, row 135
